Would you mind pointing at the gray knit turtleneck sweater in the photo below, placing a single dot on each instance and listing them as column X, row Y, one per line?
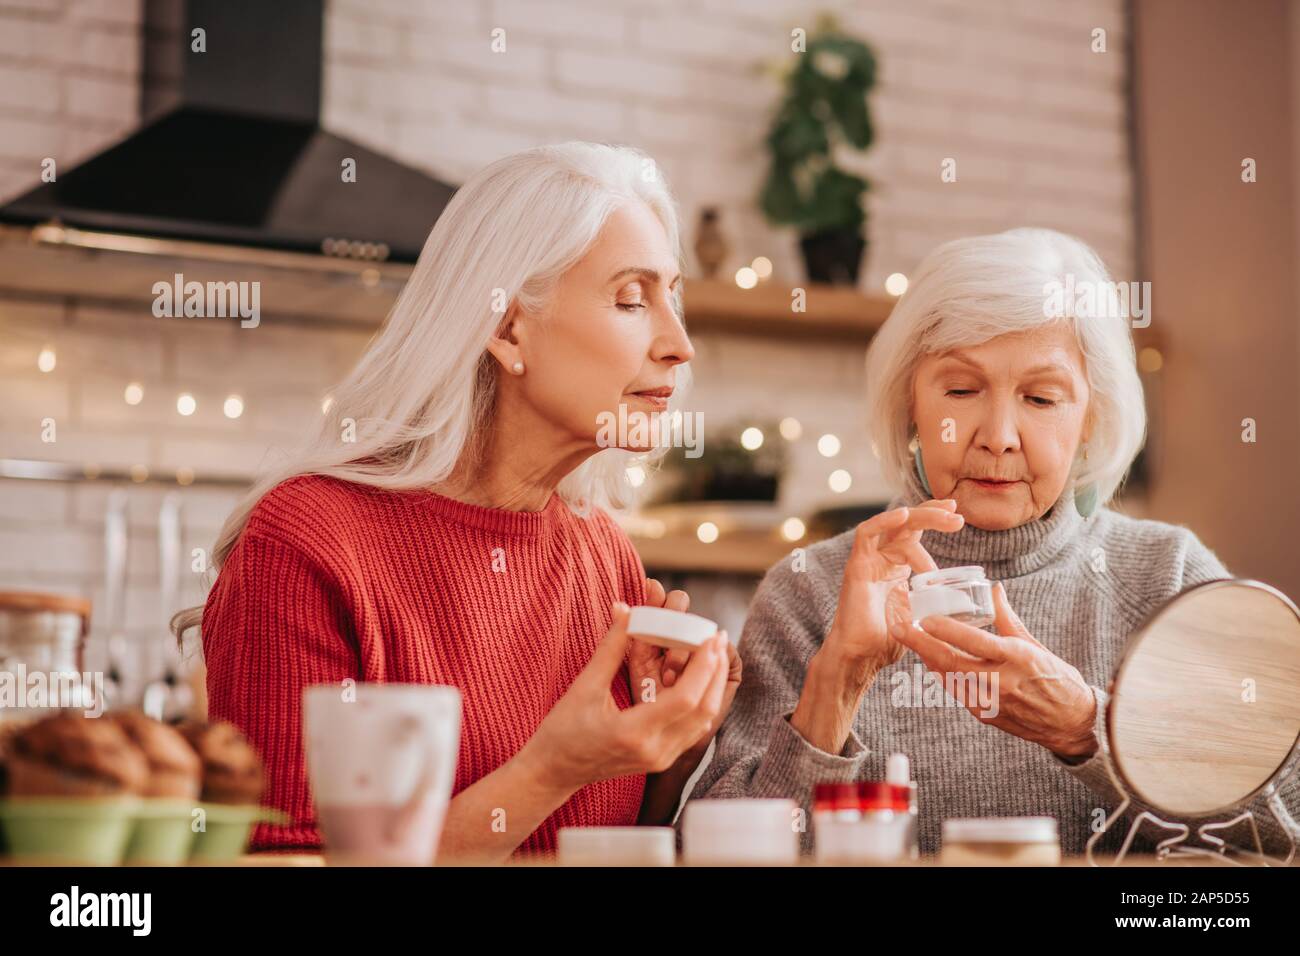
column 1080, row 586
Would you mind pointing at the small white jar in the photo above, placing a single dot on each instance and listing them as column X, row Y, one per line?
column 963, row 594
column 740, row 832
column 617, row 846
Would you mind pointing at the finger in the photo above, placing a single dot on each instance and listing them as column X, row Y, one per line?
column 948, row 503
column 936, row 655
column 933, row 519
column 642, row 655
column 677, row 601
column 654, row 593
column 674, row 663
column 910, row 553
column 1006, row 619
column 689, row 725
column 735, row 666
column 611, row 652
column 685, row 694
column 965, row 637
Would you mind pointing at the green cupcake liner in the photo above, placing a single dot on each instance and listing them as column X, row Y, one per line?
column 87, row 830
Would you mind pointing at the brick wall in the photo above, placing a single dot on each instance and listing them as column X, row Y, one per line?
column 1009, row 88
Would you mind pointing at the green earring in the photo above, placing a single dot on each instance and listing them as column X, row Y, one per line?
column 920, row 466
column 1086, row 498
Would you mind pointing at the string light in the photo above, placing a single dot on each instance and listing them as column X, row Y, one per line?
column 791, row 429
column 792, row 529
column 896, row 284
column 133, row 394
column 762, row 267
column 839, row 481
column 828, row 445
column 46, row 360
column 746, row 277
column 185, row 404
column 635, row 476
column 233, row 407
column 751, row 438
column 707, row 532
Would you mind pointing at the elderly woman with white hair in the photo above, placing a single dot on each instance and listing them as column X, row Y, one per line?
column 1005, row 423
column 444, row 525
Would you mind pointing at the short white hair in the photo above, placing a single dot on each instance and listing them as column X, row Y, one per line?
column 971, row 290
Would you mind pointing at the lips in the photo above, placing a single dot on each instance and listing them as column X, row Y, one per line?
column 655, row 397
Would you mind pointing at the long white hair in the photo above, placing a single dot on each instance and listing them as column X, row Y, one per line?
column 971, row 290
column 425, row 388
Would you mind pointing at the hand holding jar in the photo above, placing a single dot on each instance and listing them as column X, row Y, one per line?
column 1039, row 697
column 873, row 595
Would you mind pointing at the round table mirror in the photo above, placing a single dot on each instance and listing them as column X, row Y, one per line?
column 1204, row 710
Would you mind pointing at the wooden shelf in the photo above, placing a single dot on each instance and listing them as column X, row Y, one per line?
column 736, row 552
column 832, row 312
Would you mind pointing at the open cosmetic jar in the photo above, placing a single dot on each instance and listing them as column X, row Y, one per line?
column 963, row 594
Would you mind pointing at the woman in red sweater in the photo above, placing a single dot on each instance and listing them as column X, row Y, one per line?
column 443, row 527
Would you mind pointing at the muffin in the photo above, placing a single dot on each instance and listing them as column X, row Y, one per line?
column 232, row 771
column 174, row 768
column 71, row 755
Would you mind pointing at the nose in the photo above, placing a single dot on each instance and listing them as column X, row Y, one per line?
column 671, row 343
column 998, row 432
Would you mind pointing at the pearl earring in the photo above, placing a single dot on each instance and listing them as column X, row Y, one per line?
column 518, row 368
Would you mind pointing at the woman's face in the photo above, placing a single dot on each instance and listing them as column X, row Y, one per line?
column 610, row 335
column 1011, row 409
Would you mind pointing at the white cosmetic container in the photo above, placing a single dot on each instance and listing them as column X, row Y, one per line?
column 740, row 833
column 1001, row 841
column 963, row 594
column 617, row 846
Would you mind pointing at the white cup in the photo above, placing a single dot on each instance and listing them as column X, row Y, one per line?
column 381, row 759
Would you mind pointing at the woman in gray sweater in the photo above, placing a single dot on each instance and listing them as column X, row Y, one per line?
column 1005, row 408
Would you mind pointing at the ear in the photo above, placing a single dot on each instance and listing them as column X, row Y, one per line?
column 506, row 343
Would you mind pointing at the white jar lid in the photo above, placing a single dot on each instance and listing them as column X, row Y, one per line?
column 1000, row 830
column 731, row 815
column 969, row 572
column 667, row 628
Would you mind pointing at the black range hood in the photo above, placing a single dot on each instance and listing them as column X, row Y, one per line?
column 240, row 157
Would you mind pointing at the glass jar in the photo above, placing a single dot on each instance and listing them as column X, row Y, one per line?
column 963, row 594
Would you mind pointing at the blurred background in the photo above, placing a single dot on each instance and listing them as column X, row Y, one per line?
column 818, row 146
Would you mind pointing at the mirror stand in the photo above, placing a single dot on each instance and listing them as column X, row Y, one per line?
column 1219, row 850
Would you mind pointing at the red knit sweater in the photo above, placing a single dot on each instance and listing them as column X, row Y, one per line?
column 331, row 580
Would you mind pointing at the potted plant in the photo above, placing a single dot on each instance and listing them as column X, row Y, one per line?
column 824, row 110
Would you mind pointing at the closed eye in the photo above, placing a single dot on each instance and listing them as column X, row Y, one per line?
column 630, row 306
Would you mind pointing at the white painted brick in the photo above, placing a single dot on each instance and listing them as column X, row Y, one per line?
column 23, row 137
column 112, row 50
column 530, row 106
column 728, row 41
column 33, row 502
column 45, row 550
column 127, row 14
column 358, row 38
column 102, row 98
column 29, row 88
column 470, row 52
column 560, row 19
